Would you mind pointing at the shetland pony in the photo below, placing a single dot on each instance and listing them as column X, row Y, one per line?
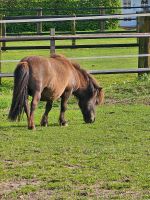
column 48, row 79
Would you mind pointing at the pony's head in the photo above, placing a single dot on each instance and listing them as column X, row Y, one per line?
column 89, row 94
column 92, row 96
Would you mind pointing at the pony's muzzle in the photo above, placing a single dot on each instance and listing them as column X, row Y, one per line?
column 91, row 120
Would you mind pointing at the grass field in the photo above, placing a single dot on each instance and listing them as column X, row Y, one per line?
column 105, row 160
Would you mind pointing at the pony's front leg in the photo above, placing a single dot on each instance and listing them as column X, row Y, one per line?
column 64, row 99
column 34, row 104
column 48, row 107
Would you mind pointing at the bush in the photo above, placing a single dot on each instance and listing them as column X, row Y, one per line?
column 56, row 7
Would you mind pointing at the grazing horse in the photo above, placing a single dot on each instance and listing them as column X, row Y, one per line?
column 48, row 79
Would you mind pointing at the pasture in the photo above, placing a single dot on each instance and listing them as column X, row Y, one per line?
column 105, row 160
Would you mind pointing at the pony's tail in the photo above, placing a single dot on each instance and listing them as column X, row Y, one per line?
column 20, row 91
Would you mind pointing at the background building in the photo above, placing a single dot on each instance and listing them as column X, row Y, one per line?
column 131, row 22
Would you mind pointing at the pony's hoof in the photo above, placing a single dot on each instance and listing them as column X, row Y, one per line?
column 44, row 124
column 63, row 124
column 32, row 128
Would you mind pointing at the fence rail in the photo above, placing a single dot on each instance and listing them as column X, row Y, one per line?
column 70, row 46
column 94, row 72
column 91, row 58
column 118, row 16
column 120, row 71
column 70, row 37
column 63, row 16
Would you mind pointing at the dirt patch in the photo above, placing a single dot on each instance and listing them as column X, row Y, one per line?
column 15, row 163
column 107, row 194
column 39, row 195
column 98, row 192
column 112, row 101
column 7, row 187
column 73, row 166
column 125, row 101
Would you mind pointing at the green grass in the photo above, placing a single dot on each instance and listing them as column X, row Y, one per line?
column 78, row 160
column 105, row 160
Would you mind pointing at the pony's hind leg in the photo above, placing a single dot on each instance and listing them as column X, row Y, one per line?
column 34, row 103
column 64, row 100
column 27, row 110
column 48, row 107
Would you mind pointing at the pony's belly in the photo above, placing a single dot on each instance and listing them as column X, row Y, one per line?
column 48, row 95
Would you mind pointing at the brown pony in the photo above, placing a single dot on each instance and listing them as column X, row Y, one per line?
column 48, row 79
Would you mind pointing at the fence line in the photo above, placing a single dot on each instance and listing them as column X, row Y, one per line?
column 75, row 18
column 120, row 71
column 90, row 58
column 110, row 57
column 82, row 46
column 70, row 37
column 58, row 16
column 144, row 35
column 102, row 72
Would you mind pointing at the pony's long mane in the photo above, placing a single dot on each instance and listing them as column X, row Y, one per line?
column 87, row 77
column 91, row 80
column 61, row 57
column 57, row 56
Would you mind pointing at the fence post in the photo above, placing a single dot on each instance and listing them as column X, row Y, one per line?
column 0, row 50
column 144, row 43
column 73, row 30
column 102, row 22
column 52, row 41
column 4, row 34
column 39, row 24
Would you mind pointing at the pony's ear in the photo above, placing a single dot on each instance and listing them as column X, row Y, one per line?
column 100, row 96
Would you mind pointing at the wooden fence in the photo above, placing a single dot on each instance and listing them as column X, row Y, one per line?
column 143, row 38
column 53, row 38
column 53, row 47
column 39, row 19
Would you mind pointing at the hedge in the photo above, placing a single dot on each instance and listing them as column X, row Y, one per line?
column 56, row 7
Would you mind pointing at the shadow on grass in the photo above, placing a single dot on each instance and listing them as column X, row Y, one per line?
column 25, row 126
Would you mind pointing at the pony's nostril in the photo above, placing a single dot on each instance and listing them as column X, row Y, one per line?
column 93, row 118
column 90, row 120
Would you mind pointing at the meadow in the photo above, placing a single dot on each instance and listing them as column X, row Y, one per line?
column 108, row 159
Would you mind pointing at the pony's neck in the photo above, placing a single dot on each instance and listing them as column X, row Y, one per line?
column 82, row 83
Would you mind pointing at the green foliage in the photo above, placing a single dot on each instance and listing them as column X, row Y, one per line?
column 58, row 7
